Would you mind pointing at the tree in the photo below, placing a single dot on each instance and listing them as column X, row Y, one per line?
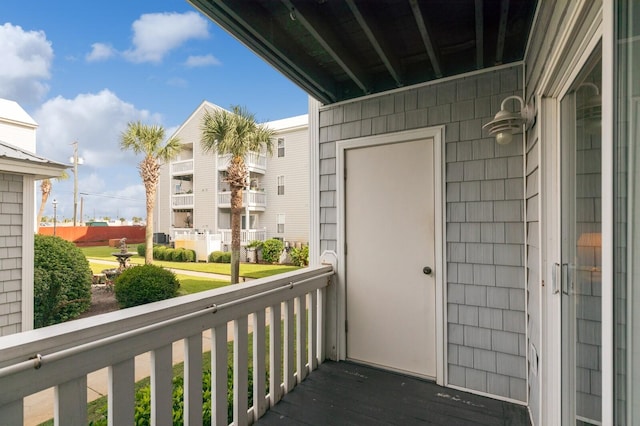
column 235, row 133
column 150, row 141
column 45, row 189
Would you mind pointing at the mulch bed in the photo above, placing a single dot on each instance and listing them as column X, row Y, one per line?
column 103, row 300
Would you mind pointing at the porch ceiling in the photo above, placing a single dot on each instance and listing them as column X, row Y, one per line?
column 337, row 50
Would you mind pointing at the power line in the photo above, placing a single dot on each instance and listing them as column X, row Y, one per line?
column 109, row 196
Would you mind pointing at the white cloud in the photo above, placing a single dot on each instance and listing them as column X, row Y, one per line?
column 100, row 52
column 201, row 61
column 26, row 64
column 96, row 122
column 156, row 34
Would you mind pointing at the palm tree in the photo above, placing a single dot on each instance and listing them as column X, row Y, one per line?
column 45, row 189
column 150, row 141
column 235, row 133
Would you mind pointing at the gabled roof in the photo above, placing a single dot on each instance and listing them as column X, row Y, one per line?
column 12, row 112
column 17, row 160
column 344, row 49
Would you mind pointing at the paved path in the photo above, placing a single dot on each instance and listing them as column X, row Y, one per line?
column 38, row 407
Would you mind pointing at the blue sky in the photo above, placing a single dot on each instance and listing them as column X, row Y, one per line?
column 83, row 70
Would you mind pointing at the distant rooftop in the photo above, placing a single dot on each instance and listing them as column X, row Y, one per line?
column 11, row 111
column 288, row 123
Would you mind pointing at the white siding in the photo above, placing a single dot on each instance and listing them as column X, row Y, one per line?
column 294, row 204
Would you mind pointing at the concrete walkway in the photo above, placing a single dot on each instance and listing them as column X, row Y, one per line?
column 38, row 407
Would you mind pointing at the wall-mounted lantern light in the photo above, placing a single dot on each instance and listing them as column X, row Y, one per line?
column 589, row 111
column 506, row 123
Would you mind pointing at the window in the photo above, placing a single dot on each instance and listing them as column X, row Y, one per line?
column 280, row 185
column 280, row 224
column 280, row 147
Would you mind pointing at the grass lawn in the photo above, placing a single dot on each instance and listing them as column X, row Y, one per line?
column 249, row 270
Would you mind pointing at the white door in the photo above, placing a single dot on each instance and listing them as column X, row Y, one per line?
column 390, row 244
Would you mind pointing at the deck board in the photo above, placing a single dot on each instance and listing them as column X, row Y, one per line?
column 346, row 393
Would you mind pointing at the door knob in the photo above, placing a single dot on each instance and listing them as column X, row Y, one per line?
column 427, row 270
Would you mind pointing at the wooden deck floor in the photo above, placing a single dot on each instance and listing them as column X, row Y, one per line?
column 346, row 393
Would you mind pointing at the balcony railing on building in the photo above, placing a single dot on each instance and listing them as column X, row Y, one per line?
column 182, row 201
column 246, row 235
column 255, row 162
column 61, row 356
column 184, row 167
column 255, row 200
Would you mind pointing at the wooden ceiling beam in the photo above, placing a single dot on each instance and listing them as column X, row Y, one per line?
column 376, row 41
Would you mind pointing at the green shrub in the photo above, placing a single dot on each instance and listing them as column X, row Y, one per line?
column 158, row 252
column 178, row 255
column 271, row 250
column 189, row 255
column 145, row 284
column 220, row 257
column 167, row 254
column 62, row 281
column 142, row 415
column 141, row 249
column 300, row 256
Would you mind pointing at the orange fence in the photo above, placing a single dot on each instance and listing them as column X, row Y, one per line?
column 96, row 235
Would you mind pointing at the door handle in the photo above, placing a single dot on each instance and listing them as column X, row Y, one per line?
column 566, row 276
column 427, row 270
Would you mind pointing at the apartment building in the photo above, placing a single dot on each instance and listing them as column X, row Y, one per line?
column 193, row 196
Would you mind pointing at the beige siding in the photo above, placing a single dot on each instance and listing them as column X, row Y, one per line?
column 294, row 204
column 11, row 226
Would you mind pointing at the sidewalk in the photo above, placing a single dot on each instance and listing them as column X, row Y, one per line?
column 38, row 407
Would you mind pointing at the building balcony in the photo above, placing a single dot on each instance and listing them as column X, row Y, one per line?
column 63, row 355
column 254, row 200
column 256, row 163
column 184, row 167
column 286, row 318
column 182, row 201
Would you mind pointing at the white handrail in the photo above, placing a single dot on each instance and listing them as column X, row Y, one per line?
column 66, row 353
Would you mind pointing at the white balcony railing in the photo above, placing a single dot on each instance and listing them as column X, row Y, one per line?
column 62, row 355
column 255, row 162
column 255, row 200
column 181, row 201
column 184, row 167
column 246, row 235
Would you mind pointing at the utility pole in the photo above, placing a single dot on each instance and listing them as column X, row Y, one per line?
column 75, row 160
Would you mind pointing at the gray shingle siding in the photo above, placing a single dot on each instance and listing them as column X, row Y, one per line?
column 11, row 190
column 484, row 217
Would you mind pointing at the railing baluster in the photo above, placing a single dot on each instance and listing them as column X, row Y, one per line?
column 275, row 354
column 301, row 337
column 240, row 373
column 13, row 413
column 289, row 362
column 193, row 380
column 259, row 385
column 70, row 403
column 313, row 329
column 121, row 397
column 219, row 370
column 161, row 386
column 322, row 297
